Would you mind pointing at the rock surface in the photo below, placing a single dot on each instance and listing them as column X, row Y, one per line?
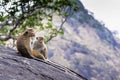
column 15, row 67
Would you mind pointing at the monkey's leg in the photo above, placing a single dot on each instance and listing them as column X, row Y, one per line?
column 37, row 54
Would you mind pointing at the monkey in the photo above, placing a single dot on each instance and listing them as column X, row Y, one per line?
column 40, row 46
column 23, row 45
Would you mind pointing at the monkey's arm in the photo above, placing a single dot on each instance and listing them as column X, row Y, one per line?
column 35, row 45
column 37, row 54
column 26, row 52
column 46, row 53
column 23, row 50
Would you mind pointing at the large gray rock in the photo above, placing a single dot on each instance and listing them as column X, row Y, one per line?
column 15, row 67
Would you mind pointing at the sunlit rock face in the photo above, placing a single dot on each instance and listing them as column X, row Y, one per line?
column 87, row 46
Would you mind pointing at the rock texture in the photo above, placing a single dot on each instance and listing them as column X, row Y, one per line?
column 15, row 67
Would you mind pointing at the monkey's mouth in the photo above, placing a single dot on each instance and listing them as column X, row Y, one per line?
column 33, row 34
column 40, row 41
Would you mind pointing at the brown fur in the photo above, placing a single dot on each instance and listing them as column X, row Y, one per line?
column 37, row 54
column 23, row 45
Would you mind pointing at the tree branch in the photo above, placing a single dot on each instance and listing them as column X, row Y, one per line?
column 60, row 28
column 5, row 23
column 19, row 20
column 7, row 37
column 18, row 23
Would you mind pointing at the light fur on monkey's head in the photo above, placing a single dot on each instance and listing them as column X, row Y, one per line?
column 40, row 38
column 29, row 32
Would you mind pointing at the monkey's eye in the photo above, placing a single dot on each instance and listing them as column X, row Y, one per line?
column 36, row 37
column 26, row 32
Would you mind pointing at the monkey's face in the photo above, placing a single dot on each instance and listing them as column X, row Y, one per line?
column 40, row 39
column 30, row 32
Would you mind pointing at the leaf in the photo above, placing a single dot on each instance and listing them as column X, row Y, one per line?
column 4, row 30
column 49, row 25
column 54, row 29
column 61, row 31
column 66, row 14
column 42, row 28
column 1, row 18
column 15, row 32
column 2, row 42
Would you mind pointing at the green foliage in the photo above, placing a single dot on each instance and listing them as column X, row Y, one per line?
column 2, row 17
column 61, row 31
column 49, row 25
column 2, row 42
column 41, row 27
column 4, row 30
column 31, row 13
